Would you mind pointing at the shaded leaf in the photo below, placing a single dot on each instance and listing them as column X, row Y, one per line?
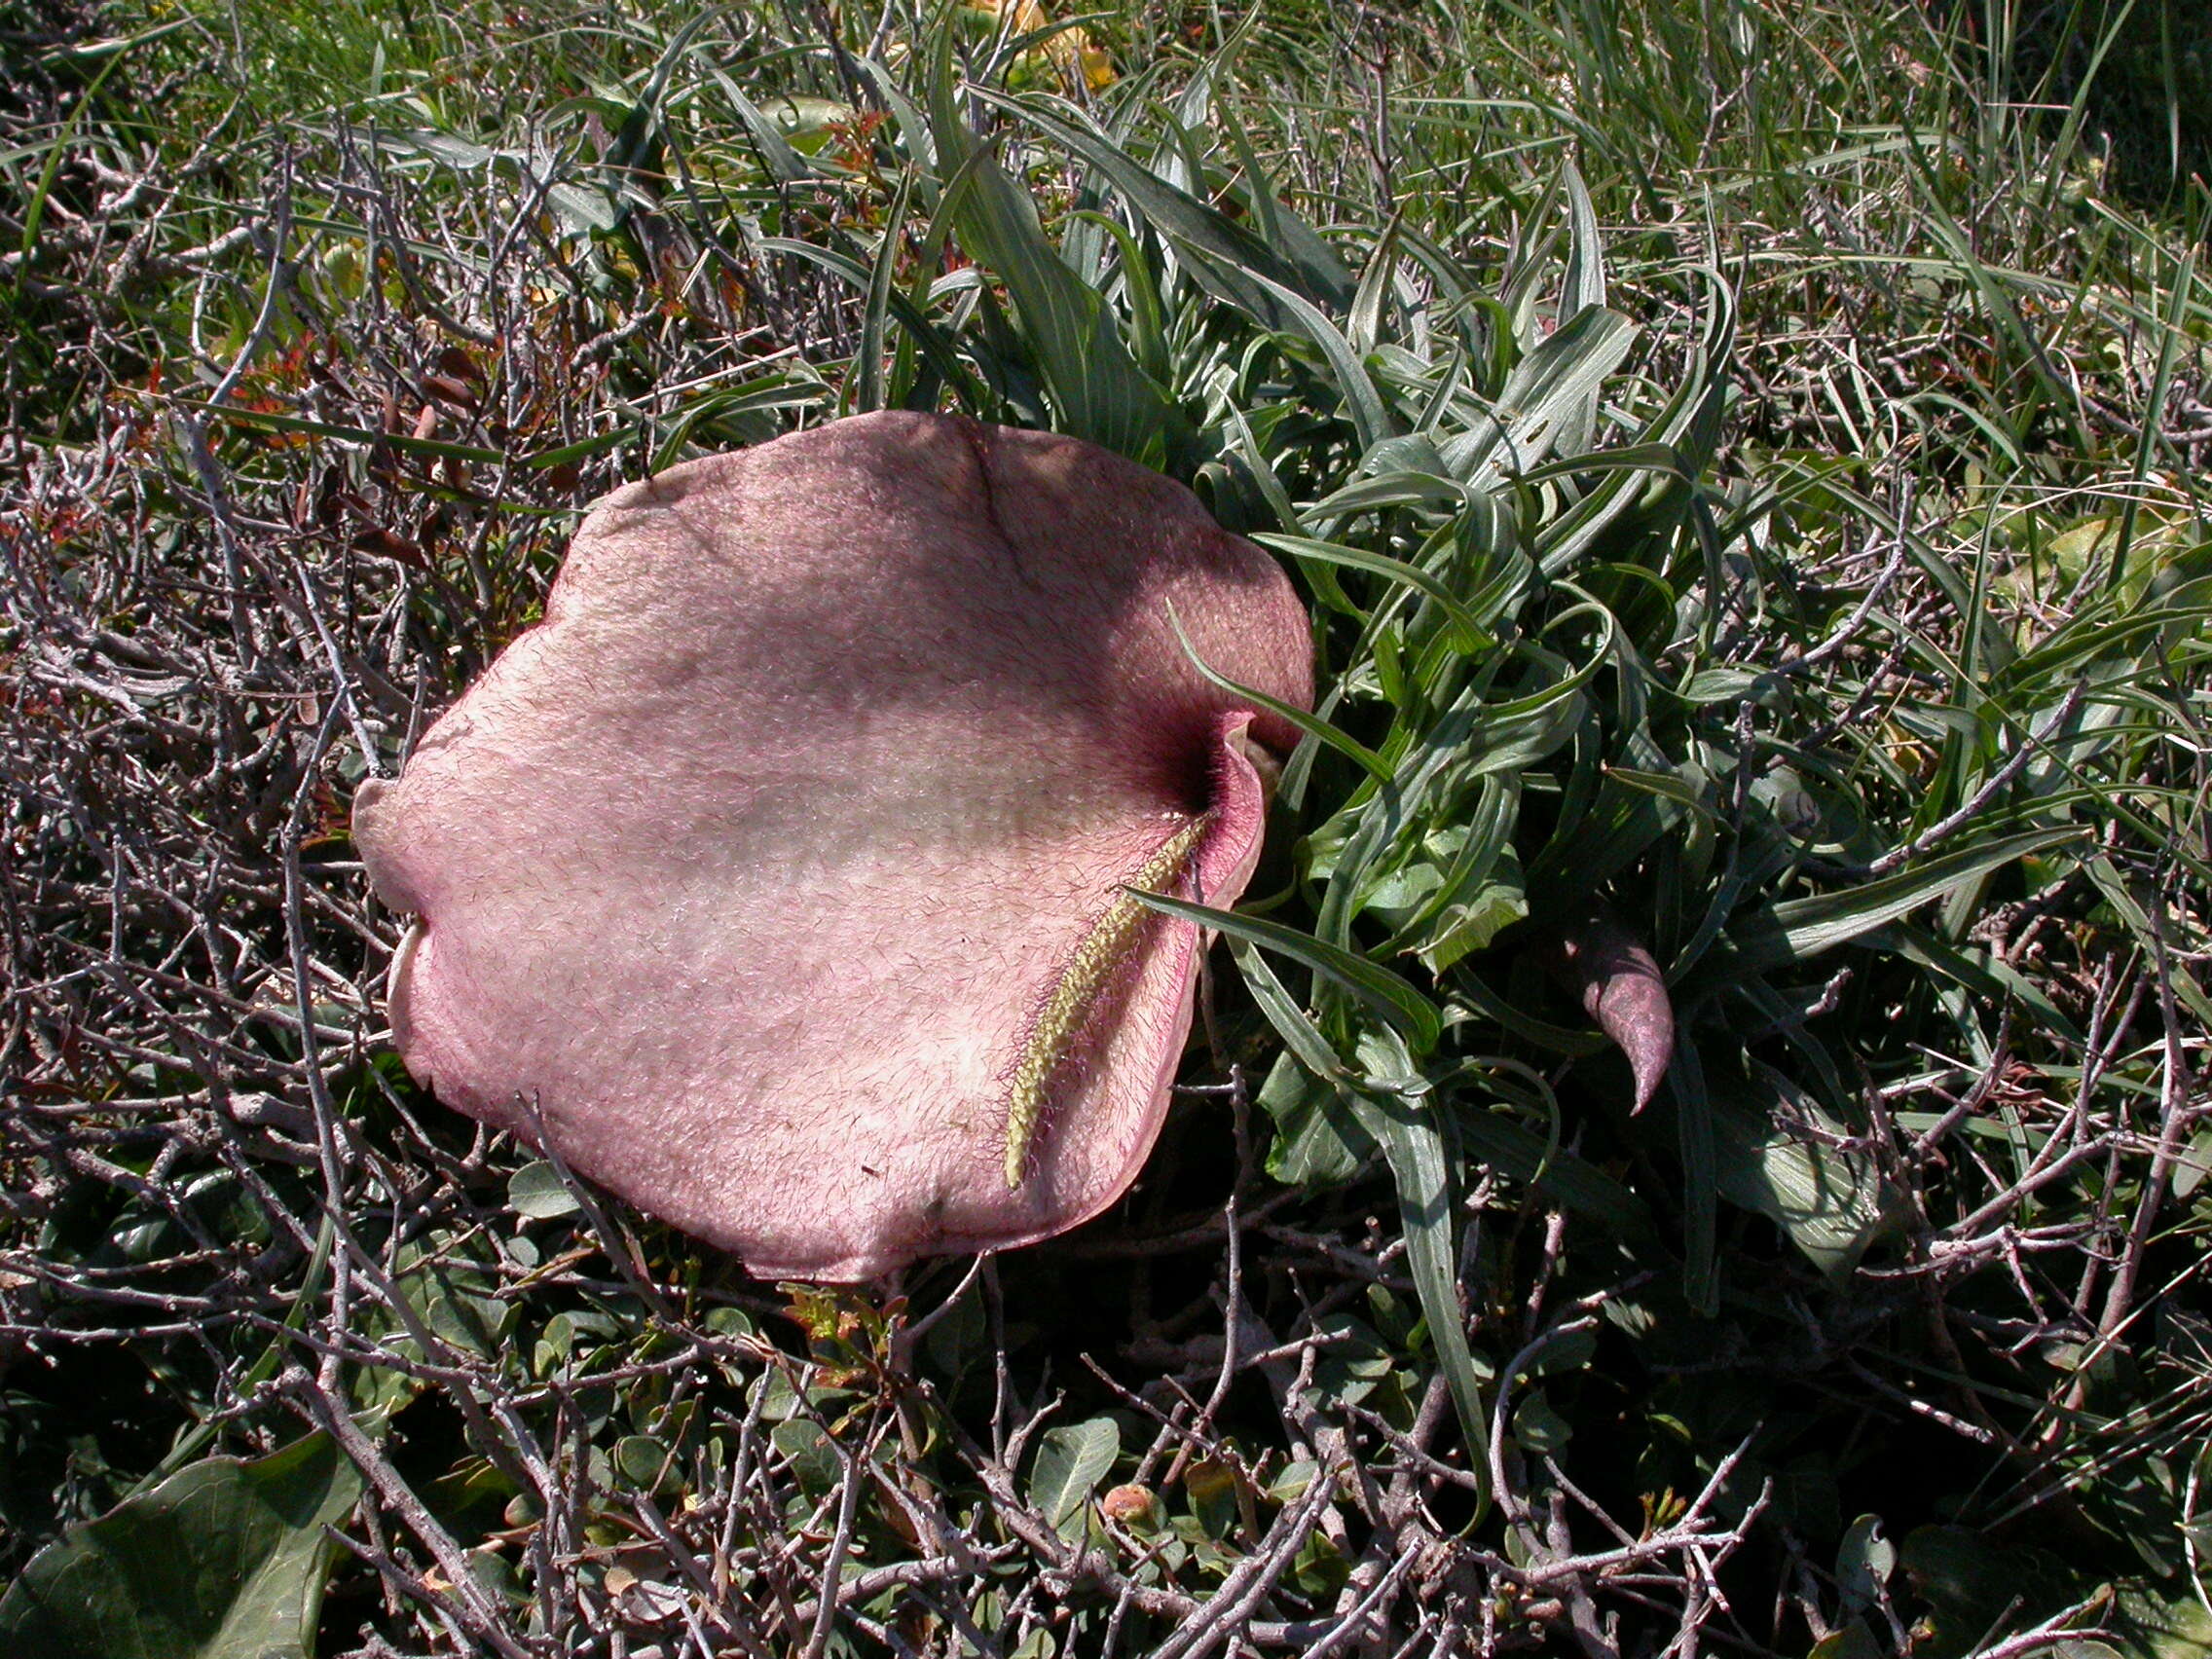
column 1832, row 1203
column 1855, row 1640
column 809, row 1453
column 224, row 1560
column 2153, row 1625
column 1978, row 1590
column 1863, row 1562
column 454, row 1293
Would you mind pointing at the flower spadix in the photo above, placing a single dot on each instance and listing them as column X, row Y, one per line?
column 779, row 879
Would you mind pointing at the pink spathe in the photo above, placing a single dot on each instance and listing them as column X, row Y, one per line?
column 745, row 878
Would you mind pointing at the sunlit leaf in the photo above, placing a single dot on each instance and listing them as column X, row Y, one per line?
column 1072, row 1461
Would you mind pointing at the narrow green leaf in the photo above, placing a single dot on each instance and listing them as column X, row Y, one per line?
column 1224, row 245
column 1539, row 397
column 1585, row 282
column 1493, row 1139
column 784, row 163
column 1980, row 970
column 931, row 342
column 1097, row 388
column 1472, row 632
column 1799, row 929
column 1319, row 1139
column 1413, row 1143
column 401, row 441
column 1300, row 1035
column 1363, row 323
column 1582, row 288
column 1700, row 1179
column 1390, row 995
column 1312, row 725
column 1484, row 1003
column 869, row 394
column 1371, row 415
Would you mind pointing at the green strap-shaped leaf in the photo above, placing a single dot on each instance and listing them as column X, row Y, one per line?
column 868, row 395
column 1412, row 1140
column 1230, row 248
column 1413, row 577
column 1540, row 395
column 1701, row 1178
column 402, row 441
column 1371, row 415
column 1799, row 929
column 1299, row 1033
column 1312, row 725
column 940, row 351
column 1392, row 997
column 1097, row 390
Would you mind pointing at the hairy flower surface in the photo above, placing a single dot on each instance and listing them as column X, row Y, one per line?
column 777, row 879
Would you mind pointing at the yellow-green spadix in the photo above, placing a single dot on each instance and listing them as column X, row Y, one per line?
column 777, row 880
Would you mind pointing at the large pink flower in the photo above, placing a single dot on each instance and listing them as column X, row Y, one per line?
column 777, row 879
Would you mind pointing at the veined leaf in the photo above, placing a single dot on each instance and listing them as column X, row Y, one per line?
column 1541, row 395
column 1319, row 1139
column 1072, row 1461
column 224, row 1560
column 1370, row 413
